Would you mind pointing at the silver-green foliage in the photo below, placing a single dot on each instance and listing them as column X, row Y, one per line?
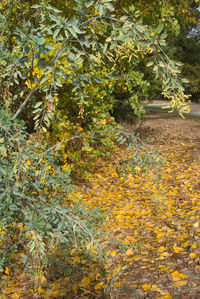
column 69, row 51
column 32, row 188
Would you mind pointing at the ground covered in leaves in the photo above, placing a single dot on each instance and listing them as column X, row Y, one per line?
column 151, row 230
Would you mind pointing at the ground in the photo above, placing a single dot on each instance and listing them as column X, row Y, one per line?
column 151, row 234
column 157, row 222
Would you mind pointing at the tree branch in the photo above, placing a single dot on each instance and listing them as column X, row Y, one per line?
column 56, row 57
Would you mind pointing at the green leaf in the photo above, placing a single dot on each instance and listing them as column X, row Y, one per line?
column 150, row 63
column 163, row 35
column 45, row 79
column 58, row 147
column 58, row 82
column 155, row 68
column 56, row 32
column 101, row 10
column 109, row 6
column 37, row 110
column 46, row 119
column 140, row 28
column 159, row 28
column 161, row 64
column 77, row 29
column 89, row 3
column 41, row 63
column 3, row 151
column 184, row 80
column 38, row 104
column 73, row 32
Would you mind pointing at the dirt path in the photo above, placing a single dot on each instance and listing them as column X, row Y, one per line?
column 155, row 226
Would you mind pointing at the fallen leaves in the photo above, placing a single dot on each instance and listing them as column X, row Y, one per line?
column 155, row 288
column 180, row 283
column 146, row 287
column 129, row 252
column 196, row 224
column 192, row 255
column 176, row 276
column 151, row 227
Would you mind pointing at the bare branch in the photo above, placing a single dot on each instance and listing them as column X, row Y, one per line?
column 86, row 136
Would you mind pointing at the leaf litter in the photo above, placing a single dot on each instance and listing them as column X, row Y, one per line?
column 150, row 236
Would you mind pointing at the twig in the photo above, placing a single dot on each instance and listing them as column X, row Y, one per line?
column 59, row 212
column 87, row 135
column 3, row 128
column 74, row 220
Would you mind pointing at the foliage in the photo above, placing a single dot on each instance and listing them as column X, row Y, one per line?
column 62, row 72
column 187, row 51
column 34, row 216
column 77, row 66
column 32, row 189
column 50, row 62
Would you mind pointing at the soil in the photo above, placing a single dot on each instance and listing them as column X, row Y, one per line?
column 169, row 133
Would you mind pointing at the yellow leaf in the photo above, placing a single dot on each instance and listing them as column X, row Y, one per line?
column 155, row 288
column 15, row 296
column 134, row 286
column 194, row 246
column 177, row 249
column 28, row 162
column 120, row 283
column 193, row 255
column 180, row 283
column 178, row 276
column 75, row 287
column 113, row 252
column 166, row 254
column 126, row 242
column 98, row 285
column 43, row 279
column 103, row 122
column 186, row 244
column 55, row 294
column 196, row 225
column 146, row 287
column 77, row 259
column 166, row 297
column 129, row 252
column 41, row 291
column 7, row 271
column 85, row 281
column 137, row 168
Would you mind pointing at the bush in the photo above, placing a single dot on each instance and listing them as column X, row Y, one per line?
column 33, row 215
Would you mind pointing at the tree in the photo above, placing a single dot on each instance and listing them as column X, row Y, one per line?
column 187, row 50
column 61, row 72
